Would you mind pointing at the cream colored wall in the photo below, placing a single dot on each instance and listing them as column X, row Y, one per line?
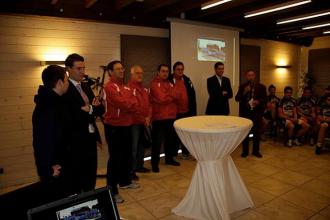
column 318, row 43
column 277, row 53
column 27, row 40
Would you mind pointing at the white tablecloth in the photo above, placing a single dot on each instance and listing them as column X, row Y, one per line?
column 216, row 189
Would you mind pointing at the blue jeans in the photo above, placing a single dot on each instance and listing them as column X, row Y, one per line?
column 137, row 147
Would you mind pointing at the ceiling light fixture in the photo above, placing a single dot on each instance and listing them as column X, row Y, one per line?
column 326, row 32
column 278, row 7
column 316, row 26
column 213, row 4
column 304, row 17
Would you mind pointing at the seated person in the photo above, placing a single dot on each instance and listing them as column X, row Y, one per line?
column 270, row 115
column 287, row 111
column 322, row 99
column 306, row 111
column 323, row 120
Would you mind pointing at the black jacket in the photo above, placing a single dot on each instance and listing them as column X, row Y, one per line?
column 218, row 104
column 51, row 126
column 81, row 119
column 190, row 93
column 260, row 94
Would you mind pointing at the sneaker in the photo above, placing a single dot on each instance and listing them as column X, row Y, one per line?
column 130, row 186
column 257, row 154
column 244, row 155
column 135, row 177
column 118, row 198
column 296, row 142
column 289, row 144
column 185, row 156
column 142, row 170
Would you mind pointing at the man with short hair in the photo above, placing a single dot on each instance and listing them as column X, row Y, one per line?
column 141, row 119
column 83, row 107
column 323, row 120
column 51, row 139
column 270, row 115
column 219, row 89
column 164, row 110
column 252, row 98
column 186, row 103
column 121, row 105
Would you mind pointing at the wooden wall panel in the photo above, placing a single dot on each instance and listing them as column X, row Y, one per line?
column 24, row 42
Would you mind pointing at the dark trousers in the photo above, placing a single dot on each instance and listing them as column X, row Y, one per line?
column 162, row 134
column 177, row 141
column 256, row 129
column 137, row 147
column 119, row 139
column 84, row 165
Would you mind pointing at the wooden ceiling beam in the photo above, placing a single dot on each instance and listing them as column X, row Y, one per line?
column 90, row 3
column 120, row 4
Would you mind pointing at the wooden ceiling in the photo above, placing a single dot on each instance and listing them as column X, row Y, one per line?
column 154, row 13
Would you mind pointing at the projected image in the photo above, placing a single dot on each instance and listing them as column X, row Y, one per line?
column 211, row 50
column 83, row 211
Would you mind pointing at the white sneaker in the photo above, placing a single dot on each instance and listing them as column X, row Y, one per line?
column 289, row 144
column 296, row 142
column 118, row 198
column 133, row 185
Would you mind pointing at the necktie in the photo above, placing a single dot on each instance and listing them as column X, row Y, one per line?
column 83, row 94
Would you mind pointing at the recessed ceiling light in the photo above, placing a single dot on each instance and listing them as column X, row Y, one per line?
column 213, row 4
column 316, row 26
column 304, row 17
column 278, row 7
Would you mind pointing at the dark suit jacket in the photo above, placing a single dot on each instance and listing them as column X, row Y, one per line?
column 260, row 94
column 80, row 118
column 218, row 104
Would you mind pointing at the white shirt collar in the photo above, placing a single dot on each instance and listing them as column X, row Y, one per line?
column 74, row 82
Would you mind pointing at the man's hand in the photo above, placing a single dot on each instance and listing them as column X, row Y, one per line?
column 56, row 170
column 224, row 93
column 85, row 108
column 247, row 89
column 255, row 103
column 147, row 122
column 96, row 101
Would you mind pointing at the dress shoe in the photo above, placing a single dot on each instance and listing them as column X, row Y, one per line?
column 142, row 170
column 257, row 154
column 155, row 169
column 173, row 163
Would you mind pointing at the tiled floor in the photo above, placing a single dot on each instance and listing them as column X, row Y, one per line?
column 286, row 184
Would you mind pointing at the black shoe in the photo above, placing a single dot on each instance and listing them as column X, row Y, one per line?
column 257, row 154
column 173, row 163
column 244, row 155
column 155, row 169
column 318, row 150
column 135, row 177
column 142, row 170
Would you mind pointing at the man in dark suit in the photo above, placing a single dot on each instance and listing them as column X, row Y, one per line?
column 219, row 89
column 252, row 98
column 83, row 107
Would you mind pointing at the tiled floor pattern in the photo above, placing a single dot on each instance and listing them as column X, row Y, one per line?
column 286, row 184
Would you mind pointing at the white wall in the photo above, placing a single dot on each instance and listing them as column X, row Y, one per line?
column 24, row 42
column 184, row 48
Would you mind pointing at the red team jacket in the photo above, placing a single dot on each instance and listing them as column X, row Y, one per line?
column 120, row 103
column 163, row 97
column 143, row 99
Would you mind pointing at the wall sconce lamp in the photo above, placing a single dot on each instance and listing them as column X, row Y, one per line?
column 283, row 66
column 57, row 62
